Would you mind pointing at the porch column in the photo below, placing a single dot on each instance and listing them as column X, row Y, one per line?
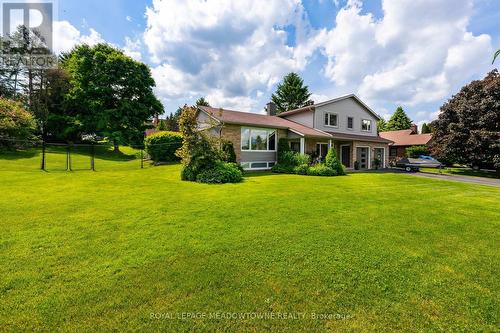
column 302, row 145
column 329, row 144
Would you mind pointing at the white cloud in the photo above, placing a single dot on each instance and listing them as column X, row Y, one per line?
column 419, row 52
column 227, row 50
column 66, row 36
column 133, row 48
column 128, row 18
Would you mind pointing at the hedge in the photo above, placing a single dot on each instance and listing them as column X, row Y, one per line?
column 161, row 146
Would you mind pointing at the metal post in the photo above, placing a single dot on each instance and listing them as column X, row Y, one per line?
column 92, row 157
column 43, row 155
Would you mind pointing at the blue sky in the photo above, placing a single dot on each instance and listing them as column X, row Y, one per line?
column 414, row 53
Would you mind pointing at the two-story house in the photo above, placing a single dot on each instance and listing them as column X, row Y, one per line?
column 345, row 123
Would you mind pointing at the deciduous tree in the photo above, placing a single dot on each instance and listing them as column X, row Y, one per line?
column 111, row 94
column 468, row 128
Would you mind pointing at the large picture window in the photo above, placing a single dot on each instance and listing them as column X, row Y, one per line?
column 258, row 139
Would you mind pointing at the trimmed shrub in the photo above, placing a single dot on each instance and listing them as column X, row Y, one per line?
column 332, row 161
column 228, row 153
column 301, row 169
column 282, row 168
column 300, row 159
column 416, row 151
column 220, row 174
column 321, row 170
column 161, row 146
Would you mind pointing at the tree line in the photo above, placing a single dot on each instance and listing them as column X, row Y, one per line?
column 94, row 92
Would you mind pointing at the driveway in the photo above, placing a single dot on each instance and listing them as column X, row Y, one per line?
column 456, row 178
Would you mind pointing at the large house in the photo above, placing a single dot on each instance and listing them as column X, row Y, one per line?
column 345, row 123
column 403, row 139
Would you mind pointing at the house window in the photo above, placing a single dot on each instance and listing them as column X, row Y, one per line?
column 257, row 165
column 331, row 119
column 350, row 122
column 393, row 151
column 366, row 125
column 256, row 139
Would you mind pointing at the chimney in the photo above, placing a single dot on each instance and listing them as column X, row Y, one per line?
column 414, row 129
column 271, row 109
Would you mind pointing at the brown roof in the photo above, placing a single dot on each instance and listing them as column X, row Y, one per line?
column 406, row 138
column 254, row 119
column 367, row 138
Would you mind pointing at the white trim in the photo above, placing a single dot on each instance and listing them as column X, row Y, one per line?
column 330, row 113
column 361, row 127
column 385, row 152
column 268, row 130
column 296, row 132
column 256, row 169
column 369, row 155
column 341, row 156
column 302, row 145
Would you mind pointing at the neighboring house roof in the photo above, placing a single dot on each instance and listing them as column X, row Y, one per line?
column 314, row 106
column 254, row 119
column 406, row 138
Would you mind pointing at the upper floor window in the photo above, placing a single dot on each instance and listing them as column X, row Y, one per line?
column 366, row 125
column 350, row 122
column 258, row 139
column 331, row 119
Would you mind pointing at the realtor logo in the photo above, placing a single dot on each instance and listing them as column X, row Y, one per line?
column 33, row 15
column 37, row 18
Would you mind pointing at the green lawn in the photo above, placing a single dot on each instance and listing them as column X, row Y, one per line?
column 101, row 251
column 462, row 172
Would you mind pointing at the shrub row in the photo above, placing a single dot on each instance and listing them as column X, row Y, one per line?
column 161, row 146
column 295, row 163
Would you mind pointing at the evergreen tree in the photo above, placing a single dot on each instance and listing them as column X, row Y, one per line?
column 425, row 129
column 399, row 121
column 291, row 94
column 382, row 125
column 333, row 162
column 202, row 102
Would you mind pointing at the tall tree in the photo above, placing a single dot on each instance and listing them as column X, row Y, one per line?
column 291, row 93
column 398, row 121
column 382, row 125
column 425, row 129
column 468, row 128
column 172, row 120
column 202, row 102
column 111, row 94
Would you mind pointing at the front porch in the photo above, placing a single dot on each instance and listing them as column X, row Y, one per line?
column 353, row 154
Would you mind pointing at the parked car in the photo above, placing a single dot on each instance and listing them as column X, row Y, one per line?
column 414, row 164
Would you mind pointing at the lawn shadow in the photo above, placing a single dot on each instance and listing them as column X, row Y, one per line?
column 18, row 154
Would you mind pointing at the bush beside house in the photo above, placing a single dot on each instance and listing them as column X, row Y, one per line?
column 294, row 163
column 161, row 146
column 203, row 159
